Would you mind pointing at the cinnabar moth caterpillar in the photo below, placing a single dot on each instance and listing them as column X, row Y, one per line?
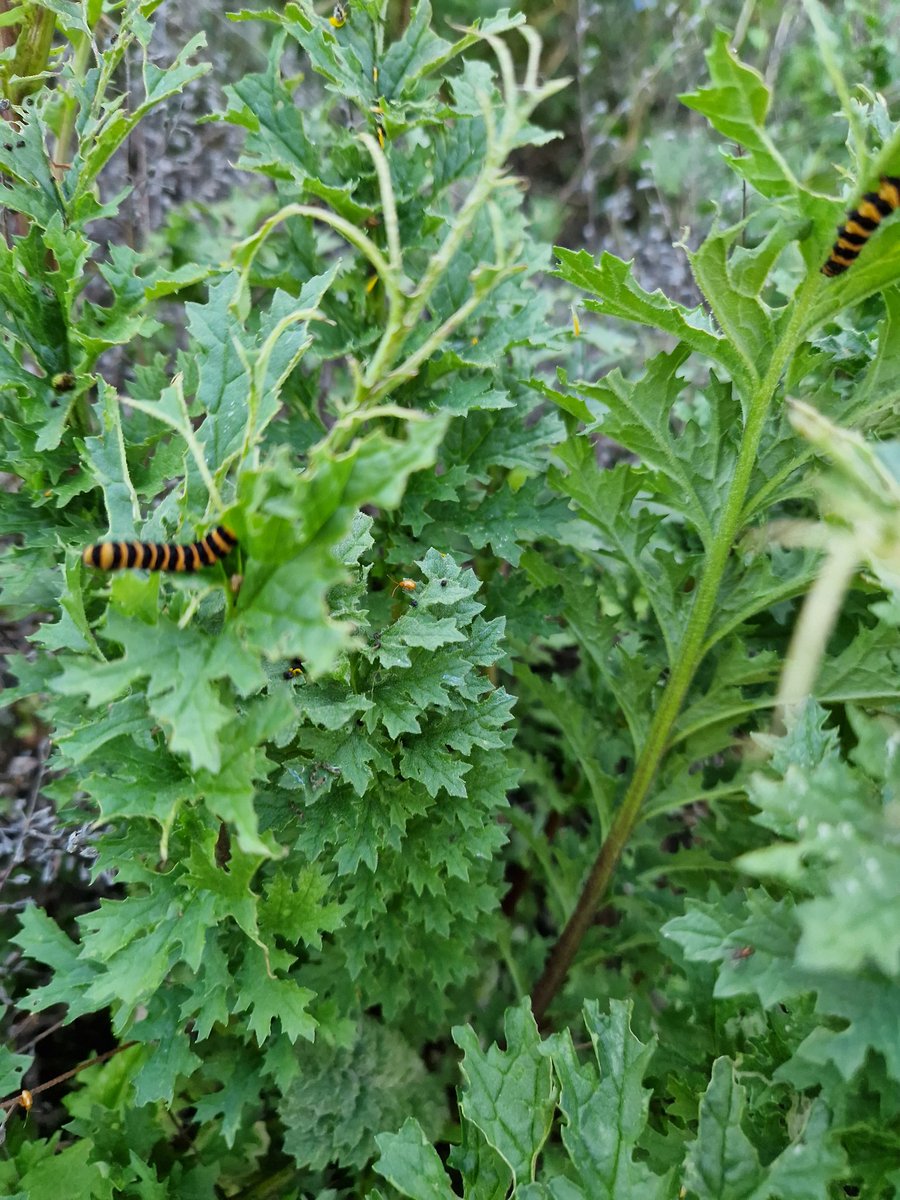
column 339, row 16
column 156, row 556
column 862, row 223
column 295, row 669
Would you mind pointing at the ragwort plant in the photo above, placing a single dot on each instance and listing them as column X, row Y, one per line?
column 310, row 856
column 248, row 816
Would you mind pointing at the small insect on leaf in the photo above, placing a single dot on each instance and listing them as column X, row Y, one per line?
column 295, row 669
column 340, row 16
column 743, row 952
column 408, row 586
column 64, row 381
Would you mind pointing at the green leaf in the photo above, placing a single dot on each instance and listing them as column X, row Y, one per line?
column 578, row 727
column 265, row 999
column 292, row 525
column 722, row 1163
column 106, row 127
column 35, row 192
column 30, row 310
column 417, row 52
column 484, row 1173
column 809, row 1166
column 70, row 1172
column 227, row 893
column 732, row 282
column 344, row 1097
column 182, row 667
column 293, row 908
column 693, row 462
column 41, row 938
column 230, row 791
column 410, row 1164
column 507, row 518
column 723, row 930
column 12, row 1068
column 232, row 361
column 619, row 295
column 736, row 105
column 354, row 756
column 240, row 1091
column 106, row 457
column 170, row 1057
column 509, row 1094
column 606, row 1114
column 608, row 499
column 72, row 631
column 428, row 762
column 842, row 848
column 867, row 1008
column 125, row 794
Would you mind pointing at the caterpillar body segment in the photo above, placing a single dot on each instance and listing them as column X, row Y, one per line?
column 861, row 223
column 161, row 556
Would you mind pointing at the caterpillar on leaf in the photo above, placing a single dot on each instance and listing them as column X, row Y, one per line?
column 861, row 223
column 161, row 556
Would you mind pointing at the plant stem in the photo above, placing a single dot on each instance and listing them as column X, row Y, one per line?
column 70, row 103
column 687, row 663
column 33, row 44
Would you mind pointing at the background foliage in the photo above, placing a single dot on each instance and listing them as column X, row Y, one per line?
column 621, row 761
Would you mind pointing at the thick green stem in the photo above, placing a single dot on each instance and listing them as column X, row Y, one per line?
column 688, row 661
column 33, row 45
column 80, row 66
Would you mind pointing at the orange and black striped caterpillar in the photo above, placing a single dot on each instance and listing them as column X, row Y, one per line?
column 862, row 223
column 156, row 556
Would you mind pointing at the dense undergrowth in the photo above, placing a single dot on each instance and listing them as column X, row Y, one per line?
column 569, row 871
